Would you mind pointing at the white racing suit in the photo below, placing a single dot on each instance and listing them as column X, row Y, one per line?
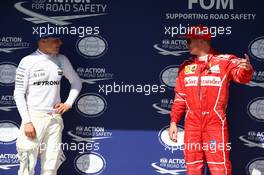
column 47, row 143
column 37, row 88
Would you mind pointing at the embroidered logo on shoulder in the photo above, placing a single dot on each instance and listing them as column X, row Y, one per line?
column 190, row 69
column 214, row 69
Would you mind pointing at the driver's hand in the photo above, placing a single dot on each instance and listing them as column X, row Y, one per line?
column 173, row 131
column 61, row 108
column 29, row 130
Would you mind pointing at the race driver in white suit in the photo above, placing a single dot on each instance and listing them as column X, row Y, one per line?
column 37, row 96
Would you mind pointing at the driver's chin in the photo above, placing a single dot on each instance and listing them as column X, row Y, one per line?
column 55, row 51
column 193, row 51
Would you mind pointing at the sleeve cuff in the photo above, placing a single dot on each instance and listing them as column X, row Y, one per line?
column 25, row 121
column 69, row 102
column 173, row 120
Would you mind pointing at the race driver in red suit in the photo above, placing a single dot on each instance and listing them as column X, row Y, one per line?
column 202, row 90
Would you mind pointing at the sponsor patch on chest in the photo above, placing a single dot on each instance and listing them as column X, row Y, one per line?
column 60, row 71
column 205, row 81
column 190, row 69
column 39, row 73
column 214, row 69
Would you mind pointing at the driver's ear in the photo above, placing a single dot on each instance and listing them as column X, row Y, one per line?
column 41, row 42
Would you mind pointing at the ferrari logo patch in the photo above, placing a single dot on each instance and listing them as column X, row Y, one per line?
column 214, row 69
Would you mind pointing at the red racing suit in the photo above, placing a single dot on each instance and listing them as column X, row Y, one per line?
column 202, row 90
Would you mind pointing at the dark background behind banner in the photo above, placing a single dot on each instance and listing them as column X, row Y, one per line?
column 130, row 120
